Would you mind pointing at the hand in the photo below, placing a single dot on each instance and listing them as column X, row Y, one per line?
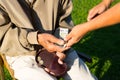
column 61, row 57
column 49, row 42
column 100, row 8
column 76, row 34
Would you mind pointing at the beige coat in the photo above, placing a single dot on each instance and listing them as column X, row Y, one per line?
column 20, row 20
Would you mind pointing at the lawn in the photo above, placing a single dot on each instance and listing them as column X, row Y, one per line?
column 102, row 45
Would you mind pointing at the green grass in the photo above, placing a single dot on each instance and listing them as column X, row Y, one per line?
column 102, row 45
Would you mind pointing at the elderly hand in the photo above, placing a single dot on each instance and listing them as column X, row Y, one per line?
column 49, row 42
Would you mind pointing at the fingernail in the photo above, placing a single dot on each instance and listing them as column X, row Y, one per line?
column 65, row 45
column 65, row 39
column 52, row 73
column 60, row 62
column 62, row 42
column 46, row 69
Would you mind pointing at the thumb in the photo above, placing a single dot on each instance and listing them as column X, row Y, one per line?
column 92, row 14
column 56, row 40
column 68, row 37
column 70, row 43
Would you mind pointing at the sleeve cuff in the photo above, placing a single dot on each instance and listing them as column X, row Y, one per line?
column 32, row 37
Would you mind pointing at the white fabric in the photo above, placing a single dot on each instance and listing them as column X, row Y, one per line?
column 78, row 70
column 25, row 68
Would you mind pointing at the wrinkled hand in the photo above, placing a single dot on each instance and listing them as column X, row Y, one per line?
column 100, row 8
column 49, row 42
column 76, row 34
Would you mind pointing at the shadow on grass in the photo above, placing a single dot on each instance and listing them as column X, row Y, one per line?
column 103, row 46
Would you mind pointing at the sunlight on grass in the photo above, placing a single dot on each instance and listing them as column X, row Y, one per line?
column 61, row 79
column 96, row 66
column 93, row 66
column 105, row 68
column 86, row 38
column 102, row 45
column 7, row 74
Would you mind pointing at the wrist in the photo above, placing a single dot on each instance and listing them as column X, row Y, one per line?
column 87, row 27
column 90, row 26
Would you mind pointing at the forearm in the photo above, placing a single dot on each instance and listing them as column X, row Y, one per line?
column 110, row 17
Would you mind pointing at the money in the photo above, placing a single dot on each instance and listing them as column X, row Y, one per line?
column 63, row 33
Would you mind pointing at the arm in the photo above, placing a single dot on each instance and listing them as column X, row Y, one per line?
column 17, row 35
column 64, row 13
column 110, row 17
column 98, row 9
column 15, row 27
column 4, row 21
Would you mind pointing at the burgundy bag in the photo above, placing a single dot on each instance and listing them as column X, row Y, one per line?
column 50, row 60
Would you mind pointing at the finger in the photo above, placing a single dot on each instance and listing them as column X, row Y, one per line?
column 70, row 43
column 63, row 48
column 55, row 40
column 46, row 69
column 67, row 47
column 60, row 61
column 101, row 11
column 68, row 37
column 61, row 55
column 92, row 14
column 51, row 47
column 59, row 48
column 52, row 73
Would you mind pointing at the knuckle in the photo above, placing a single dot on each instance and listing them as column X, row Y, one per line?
column 50, row 48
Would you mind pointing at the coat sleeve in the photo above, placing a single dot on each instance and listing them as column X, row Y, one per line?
column 4, row 19
column 65, row 9
column 4, row 22
column 16, row 31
